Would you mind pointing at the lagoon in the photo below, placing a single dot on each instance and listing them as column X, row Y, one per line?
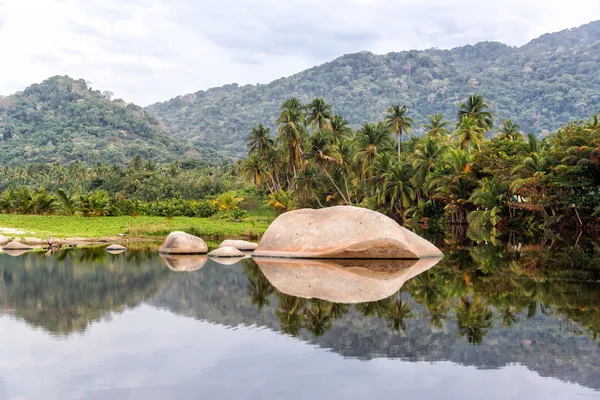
column 487, row 321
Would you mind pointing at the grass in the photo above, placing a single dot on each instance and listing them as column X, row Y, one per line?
column 140, row 227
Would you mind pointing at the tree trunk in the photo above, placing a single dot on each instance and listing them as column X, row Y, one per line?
column 336, row 186
column 399, row 144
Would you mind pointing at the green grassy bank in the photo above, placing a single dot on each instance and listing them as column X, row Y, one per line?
column 140, row 227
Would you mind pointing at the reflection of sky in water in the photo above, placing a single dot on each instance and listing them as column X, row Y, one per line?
column 150, row 354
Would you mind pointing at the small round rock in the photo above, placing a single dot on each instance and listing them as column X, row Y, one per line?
column 116, row 248
column 226, row 252
column 239, row 244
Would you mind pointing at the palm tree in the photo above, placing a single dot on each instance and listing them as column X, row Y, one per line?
column 281, row 201
column 319, row 114
column 370, row 140
column 456, row 185
column 396, row 187
column 339, row 128
column 252, row 169
column 260, row 141
column 307, row 184
column 437, row 128
column 510, row 130
column 323, row 153
column 477, row 109
column 424, row 160
column 228, row 201
column 469, row 132
column 291, row 132
column 398, row 123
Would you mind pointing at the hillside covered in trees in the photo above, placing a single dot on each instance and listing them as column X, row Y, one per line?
column 541, row 85
column 64, row 120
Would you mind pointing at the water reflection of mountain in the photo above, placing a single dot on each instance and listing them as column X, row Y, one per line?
column 66, row 292
column 486, row 306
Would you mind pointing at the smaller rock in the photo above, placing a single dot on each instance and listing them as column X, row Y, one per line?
column 15, row 245
column 116, row 249
column 183, row 243
column 121, row 234
column 241, row 245
column 226, row 252
column 4, row 239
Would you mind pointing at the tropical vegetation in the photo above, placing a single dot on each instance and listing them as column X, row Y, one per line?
column 465, row 169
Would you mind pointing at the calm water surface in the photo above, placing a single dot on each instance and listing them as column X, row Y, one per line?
column 488, row 321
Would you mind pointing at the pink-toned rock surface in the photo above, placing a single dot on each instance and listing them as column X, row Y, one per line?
column 183, row 243
column 341, row 281
column 184, row 263
column 241, row 245
column 226, row 252
column 341, row 232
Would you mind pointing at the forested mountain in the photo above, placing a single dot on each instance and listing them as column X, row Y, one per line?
column 64, row 120
column 541, row 85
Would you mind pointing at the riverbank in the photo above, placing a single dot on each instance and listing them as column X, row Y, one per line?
column 143, row 227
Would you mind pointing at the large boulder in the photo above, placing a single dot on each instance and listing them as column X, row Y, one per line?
column 184, row 263
column 341, row 281
column 241, row 245
column 183, row 243
column 341, row 232
column 16, row 246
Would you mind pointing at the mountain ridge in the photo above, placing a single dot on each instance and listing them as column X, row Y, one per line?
column 552, row 75
column 64, row 120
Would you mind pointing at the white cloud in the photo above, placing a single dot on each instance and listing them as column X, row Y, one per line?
column 148, row 51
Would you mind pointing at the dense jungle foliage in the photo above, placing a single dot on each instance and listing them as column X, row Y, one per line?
column 190, row 188
column 541, row 85
column 472, row 169
column 64, row 120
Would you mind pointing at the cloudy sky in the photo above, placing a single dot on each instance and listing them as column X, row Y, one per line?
column 149, row 50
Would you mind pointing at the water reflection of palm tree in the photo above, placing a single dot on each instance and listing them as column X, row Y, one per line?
column 429, row 289
column 318, row 317
column 437, row 313
column 474, row 319
column 397, row 312
column 291, row 313
column 509, row 316
column 372, row 308
column 259, row 289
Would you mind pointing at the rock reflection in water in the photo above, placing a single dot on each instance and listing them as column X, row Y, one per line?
column 226, row 260
column 342, row 281
column 184, row 263
column 15, row 253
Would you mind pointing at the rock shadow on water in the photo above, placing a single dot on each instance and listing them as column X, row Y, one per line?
column 343, row 280
column 184, row 263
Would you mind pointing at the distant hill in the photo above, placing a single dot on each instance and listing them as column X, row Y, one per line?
column 64, row 120
column 545, row 83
